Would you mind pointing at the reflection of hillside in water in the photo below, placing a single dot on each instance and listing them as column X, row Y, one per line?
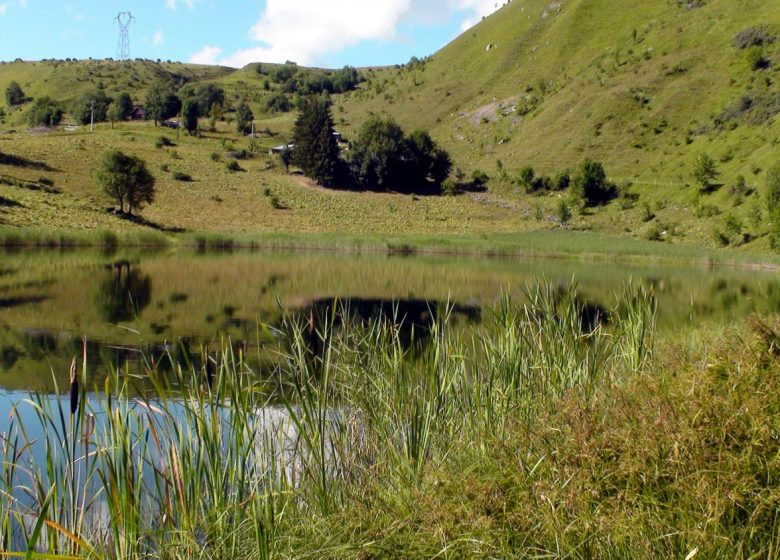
column 132, row 304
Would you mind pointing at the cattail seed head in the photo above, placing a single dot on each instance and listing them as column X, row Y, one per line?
column 74, row 389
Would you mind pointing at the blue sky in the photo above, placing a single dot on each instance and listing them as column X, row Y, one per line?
column 328, row 33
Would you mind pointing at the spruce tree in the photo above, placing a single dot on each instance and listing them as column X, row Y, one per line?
column 316, row 150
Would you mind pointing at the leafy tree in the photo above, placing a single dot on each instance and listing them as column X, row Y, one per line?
column 44, row 112
column 124, row 105
column 773, row 204
column 14, row 95
column 206, row 95
column 424, row 160
column 189, row 115
column 316, row 149
column 81, row 109
column 591, row 183
column 126, row 179
column 345, row 79
column 244, row 116
column 161, row 101
column 377, row 153
column 705, row 171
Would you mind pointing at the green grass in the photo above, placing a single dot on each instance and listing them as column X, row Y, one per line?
column 525, row 437
column 636, row 86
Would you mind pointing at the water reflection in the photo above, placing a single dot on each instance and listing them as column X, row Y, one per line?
column 123, row 293
column 182, row 302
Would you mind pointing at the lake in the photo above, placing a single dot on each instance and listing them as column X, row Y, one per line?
column 132, row 305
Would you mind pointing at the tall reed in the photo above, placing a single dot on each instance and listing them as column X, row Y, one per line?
column 189, row 460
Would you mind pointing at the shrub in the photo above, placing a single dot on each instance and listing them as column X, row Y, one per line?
column 164, row 141
column 179, row 176
column 449, row 187
column 755, row 58
column 591, row 184
column 233, row 166
column 753, row 37
column 705, row 171
column 563, row 212
column 215, row 156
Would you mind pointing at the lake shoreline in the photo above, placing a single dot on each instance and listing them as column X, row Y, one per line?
column 548, row 244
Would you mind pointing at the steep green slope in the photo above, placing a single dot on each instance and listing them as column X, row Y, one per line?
column 638, row 84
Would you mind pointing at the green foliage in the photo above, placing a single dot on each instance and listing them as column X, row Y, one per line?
column 277, row 103
column 120, row 108
column 44, row 112
column 126, row 179
column 82, row 108
column 189, row 115
column 705, row 171
column 563, row 212
column 755, row 58
column 773, row 204
column 526, row 178
column 316, row 149
column 591, row 184
column 382, row 156
column 161, row 101
column 206, row 95
column 377, row 153
column 14, row 95
column 244, row 117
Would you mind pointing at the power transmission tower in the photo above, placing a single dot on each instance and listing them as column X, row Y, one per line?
column 124, row 19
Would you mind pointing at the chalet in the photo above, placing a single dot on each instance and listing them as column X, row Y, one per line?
column 138, row 114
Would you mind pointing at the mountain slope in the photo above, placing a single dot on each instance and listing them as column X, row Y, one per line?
column 637, row 84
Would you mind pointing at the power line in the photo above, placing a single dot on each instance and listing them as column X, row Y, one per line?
column 124, row 19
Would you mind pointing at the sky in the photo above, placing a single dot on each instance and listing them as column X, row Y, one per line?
column 326, row 33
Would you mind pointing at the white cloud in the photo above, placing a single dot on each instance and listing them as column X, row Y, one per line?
column 3, row 9
column 206, row 55
column 305, row 30
column 158, row 38
column 171, row 4
column 23, row 4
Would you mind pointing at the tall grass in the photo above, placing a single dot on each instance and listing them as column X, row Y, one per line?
column 215, row 460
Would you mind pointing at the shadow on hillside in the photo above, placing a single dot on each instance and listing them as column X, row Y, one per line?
column 9, row 203
column 17, row 161
column 141, row 221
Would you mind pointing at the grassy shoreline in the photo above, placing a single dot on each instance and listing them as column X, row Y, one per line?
column 559, row 244
column 527, row 438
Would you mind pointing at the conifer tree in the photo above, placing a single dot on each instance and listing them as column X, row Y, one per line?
column 316, row 150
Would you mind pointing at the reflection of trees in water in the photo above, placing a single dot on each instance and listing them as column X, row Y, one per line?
column 124, row 293
column 412, row 319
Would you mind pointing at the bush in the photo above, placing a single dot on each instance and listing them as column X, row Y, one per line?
column 591, row 184
column 44, row 112
column 215, row 156
column 179, row 176
column 233, row 166
column 705, row 171
column 563, row 212
column 755, row 58
column 449, row 187
column 164, row 141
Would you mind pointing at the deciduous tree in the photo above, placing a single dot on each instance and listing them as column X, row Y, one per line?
column 126, row 179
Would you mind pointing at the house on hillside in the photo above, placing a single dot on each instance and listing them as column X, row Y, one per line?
column 138, row 113
column 280, row 149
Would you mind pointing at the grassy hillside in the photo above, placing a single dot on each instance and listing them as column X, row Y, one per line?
column 65, row 80
column 642, row 86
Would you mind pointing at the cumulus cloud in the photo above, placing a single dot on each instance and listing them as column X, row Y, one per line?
column 305, row 31
column 206, row 55
column 158, row 38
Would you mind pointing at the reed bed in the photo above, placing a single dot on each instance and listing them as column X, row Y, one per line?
column 351, row 423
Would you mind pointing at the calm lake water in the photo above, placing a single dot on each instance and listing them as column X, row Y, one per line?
column 131, row 305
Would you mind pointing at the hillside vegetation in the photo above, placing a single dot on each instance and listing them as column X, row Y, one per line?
column 644, row 87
